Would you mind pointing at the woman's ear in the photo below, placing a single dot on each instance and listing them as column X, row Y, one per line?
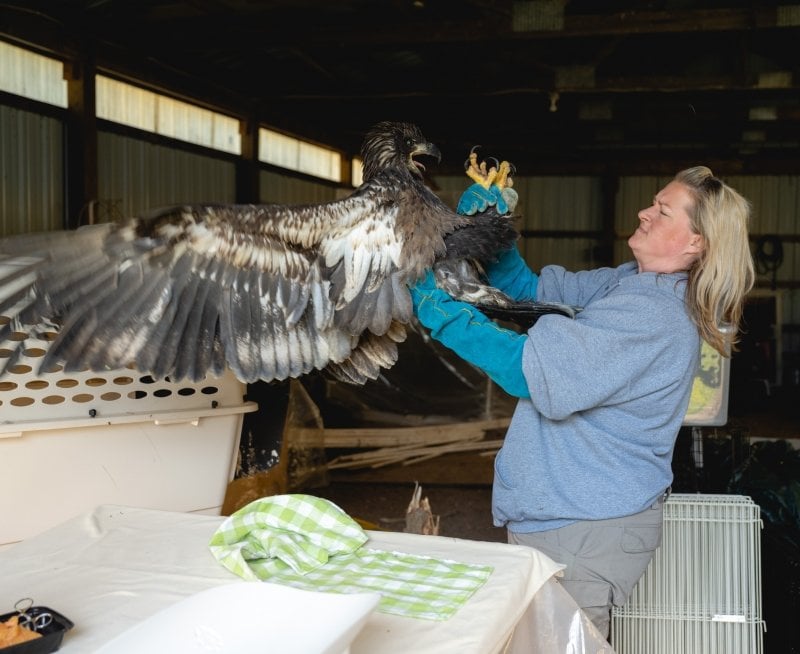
column 696, row 244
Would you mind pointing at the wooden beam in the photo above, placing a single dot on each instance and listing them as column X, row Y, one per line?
column 247, row 168
column 399, row 436
column 80, row 142
column 625, row 23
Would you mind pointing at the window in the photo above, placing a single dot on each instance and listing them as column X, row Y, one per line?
column 25, row 73
column 137, row 107
column 357, row 171
column 294, row 154
column 31, row 75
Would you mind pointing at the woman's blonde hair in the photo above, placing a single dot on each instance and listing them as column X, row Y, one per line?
column 722, row 276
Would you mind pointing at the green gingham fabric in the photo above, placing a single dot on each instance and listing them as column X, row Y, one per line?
column 310, row 543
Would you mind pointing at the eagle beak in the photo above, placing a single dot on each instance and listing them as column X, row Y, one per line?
column 428, row 149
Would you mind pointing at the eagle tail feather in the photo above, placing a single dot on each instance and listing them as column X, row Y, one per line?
column 403, row 309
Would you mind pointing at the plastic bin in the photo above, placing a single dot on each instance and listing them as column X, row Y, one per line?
column 71, row 441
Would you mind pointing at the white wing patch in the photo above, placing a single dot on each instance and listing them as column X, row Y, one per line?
column 369, row 251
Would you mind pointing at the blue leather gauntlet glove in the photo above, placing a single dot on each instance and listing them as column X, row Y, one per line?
column 471, row 335
column 509, row 273
column 512, row 275
column 476, row 199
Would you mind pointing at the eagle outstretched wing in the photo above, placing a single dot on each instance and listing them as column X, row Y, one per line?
column 194, row 288
column 271, row 291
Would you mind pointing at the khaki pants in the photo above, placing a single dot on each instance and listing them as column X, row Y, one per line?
column 604, row 558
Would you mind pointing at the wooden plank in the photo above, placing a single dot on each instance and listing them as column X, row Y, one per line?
column 408, row 454
column 396, row 436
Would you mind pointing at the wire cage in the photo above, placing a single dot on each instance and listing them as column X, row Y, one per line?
column 701, row 593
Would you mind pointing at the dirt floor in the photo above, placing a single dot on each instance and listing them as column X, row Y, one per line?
column 457, row 485
column 464, row 511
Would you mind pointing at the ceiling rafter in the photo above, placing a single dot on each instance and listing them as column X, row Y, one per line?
column 593, row 84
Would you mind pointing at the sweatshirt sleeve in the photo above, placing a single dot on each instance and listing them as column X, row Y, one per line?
column 556, row 284
column 619, row 347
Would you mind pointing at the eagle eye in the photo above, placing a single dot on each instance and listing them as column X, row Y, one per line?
column 409, row 141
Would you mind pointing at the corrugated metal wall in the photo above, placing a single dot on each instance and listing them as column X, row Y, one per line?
column 776, row 211
column 284, row 189
column 135, row 175
column 31, row 172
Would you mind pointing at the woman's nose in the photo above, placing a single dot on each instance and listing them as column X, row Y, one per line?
column 644, row 214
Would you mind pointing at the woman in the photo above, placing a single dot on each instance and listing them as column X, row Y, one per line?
column 586, row 462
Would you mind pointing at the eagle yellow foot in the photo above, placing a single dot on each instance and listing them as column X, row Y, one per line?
column 477, row 171
column 503, row 178
column 499, row 175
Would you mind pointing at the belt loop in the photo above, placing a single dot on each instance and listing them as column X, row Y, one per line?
column 662, row 498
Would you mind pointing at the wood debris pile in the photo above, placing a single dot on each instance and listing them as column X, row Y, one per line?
column 419, row 516
column 409, row 445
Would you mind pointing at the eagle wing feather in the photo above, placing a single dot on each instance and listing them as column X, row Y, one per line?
column 270, row 291
column 187, row 290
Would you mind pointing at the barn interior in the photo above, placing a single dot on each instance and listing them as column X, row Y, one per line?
column 597, row 104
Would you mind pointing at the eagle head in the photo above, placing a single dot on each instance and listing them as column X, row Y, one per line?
column 394, row 145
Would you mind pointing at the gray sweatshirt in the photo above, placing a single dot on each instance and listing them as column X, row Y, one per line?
column 609, row 391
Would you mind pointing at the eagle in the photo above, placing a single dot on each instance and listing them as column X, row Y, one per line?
column 270, row 291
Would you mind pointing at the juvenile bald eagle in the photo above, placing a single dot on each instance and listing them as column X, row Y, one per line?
column 270, row 291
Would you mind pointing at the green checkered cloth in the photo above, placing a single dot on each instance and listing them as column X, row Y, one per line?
column 310, row 543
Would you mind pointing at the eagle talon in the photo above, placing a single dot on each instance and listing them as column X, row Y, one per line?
column 499, row 174
column 478, row 173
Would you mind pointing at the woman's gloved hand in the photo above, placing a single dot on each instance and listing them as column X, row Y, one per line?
column 476, row 199
column 511, row 274
column 471, row 335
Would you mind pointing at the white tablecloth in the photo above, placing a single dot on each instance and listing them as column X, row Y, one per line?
column 113, row 567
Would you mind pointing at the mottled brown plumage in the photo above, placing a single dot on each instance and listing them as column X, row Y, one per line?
column 270, row 291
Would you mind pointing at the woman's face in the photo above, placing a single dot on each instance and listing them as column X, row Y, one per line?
column 664, row 241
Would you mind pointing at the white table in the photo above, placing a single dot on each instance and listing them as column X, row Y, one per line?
column 115, row 566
